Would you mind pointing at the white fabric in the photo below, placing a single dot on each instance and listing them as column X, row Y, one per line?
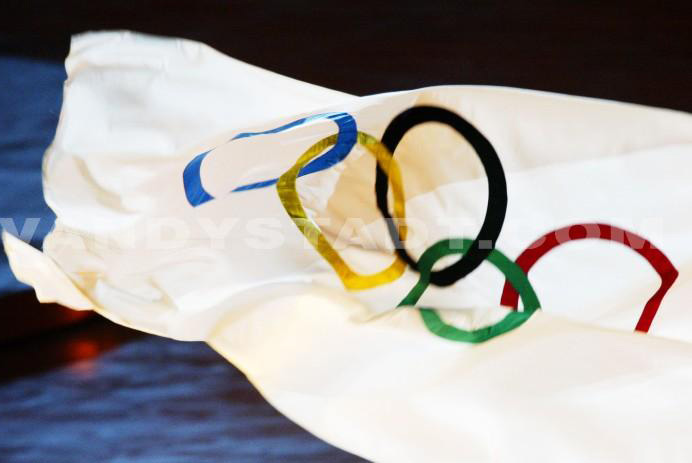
column 574, row 383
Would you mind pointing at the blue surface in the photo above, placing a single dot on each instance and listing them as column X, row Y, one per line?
column 151, row 400
column 30, row 98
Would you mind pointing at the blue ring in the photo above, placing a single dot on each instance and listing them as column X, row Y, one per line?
column 346, row 139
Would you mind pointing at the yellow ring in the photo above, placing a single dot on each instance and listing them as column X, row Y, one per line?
column 286, row 187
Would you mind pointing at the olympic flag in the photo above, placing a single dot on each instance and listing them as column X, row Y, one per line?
column 362, row 259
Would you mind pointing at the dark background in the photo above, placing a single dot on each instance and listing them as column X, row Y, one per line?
column 631, row 51
column 95, row 391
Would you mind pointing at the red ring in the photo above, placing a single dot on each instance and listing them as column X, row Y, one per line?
column 643, row 247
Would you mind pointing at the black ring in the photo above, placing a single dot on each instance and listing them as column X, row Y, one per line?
column 497, row 189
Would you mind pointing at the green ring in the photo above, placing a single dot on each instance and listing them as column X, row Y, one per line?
column 514, row 274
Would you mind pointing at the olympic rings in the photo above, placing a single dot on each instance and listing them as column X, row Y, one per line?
column 286, row 187
column 192, row 181
column 473, row 251
column 484, row 243
column 640, row 245
column 514, row 274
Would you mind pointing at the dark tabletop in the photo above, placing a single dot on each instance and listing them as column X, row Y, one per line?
column 99, row 392
column 119, row 396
